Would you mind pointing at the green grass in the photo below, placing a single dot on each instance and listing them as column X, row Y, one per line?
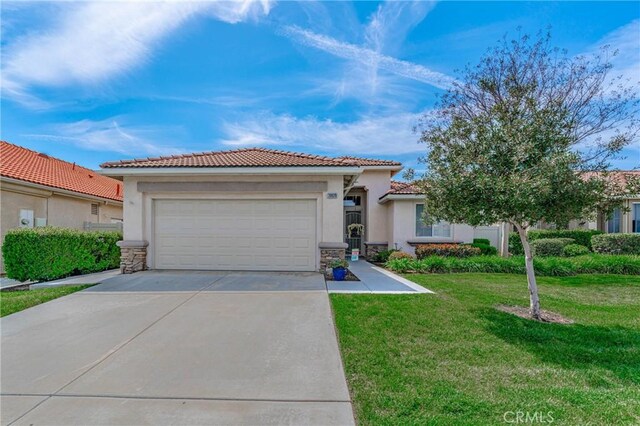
column 15, row 301
column 451, row 358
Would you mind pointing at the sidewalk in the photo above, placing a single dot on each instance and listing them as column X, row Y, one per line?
column 94, row 278
column 374, row 280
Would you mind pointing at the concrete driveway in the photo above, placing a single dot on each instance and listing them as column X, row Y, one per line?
column 177, row 348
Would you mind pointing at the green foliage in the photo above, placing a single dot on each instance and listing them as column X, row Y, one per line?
column 572, row 250
column 484, row 241
column 383, row 255
column 48, row 253
column 485, row 249
column 339, row 263
column 399, row 255
column 16, row 301
column 545, row 266
column 580, row 236
column 453, row 250
column 616, row 243
column 550, row 246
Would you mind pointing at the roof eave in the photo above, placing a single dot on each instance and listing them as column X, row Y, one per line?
column 196, row 171
column 61, row 191
column 400, row 197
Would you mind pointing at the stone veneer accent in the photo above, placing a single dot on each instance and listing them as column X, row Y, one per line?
column 372, row 249
column 328, row 253
column 133, row 256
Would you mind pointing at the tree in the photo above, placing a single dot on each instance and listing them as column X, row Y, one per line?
column 527, row 135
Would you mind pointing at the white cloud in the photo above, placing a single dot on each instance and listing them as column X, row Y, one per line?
column 111, row 136
column 95, row 41
column 368, row 57
column 388, row 135
column 624, row 40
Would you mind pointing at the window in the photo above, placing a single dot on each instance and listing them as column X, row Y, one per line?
column 635, row 220
column 94, row 209
column 353, row 200
column 613, row 224
column 438, row 229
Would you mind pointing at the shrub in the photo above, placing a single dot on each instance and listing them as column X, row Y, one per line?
column 572, row 250
column 616, row 243
column 550, row 246
column 580, row 236
column 453, row 250
column 48, row 253
column 544, row 266
column 484, row 241
column 383, row 255
column 485, row 249
column 399, row 255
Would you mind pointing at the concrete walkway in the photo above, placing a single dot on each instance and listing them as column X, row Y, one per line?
column 374, row 279
column 177, row 348
column 95, row 278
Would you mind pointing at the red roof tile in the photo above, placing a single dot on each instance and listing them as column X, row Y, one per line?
column 402, row 188
column 23, row 164
column 249, row 157
column 368, row 161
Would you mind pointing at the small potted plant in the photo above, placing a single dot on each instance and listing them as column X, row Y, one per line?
column 339, row 268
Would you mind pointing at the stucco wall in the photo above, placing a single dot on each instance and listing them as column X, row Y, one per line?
column 138, row 206
column 403, row 214
column 376, row 183
column 57, row 209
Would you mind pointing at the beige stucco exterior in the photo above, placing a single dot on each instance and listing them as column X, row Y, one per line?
column 57, row 208
column 139, row 202
column 376, row 183
column 402, row 215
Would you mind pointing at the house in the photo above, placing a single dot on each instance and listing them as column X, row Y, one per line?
column 625, row 219
column 263, row 209
column 39, row 190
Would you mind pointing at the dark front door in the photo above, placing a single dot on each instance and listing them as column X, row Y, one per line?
column 352, row 237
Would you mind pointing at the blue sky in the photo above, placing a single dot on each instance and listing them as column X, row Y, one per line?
column 92, row 82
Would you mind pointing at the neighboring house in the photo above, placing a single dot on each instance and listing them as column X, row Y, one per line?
column 39, row 190
column 625, row 219
column 262, row 209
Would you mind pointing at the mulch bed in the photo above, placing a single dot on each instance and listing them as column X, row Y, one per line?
column 546, row 316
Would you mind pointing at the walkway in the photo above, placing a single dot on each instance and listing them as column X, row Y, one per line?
column 374, row 279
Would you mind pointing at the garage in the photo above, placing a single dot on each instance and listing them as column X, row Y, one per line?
column 242, row 234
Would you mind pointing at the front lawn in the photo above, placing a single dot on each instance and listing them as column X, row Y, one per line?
column 450, row 357
column 15, row 301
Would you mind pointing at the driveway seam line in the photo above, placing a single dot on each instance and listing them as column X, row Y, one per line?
column 136, row 336
column 188, row 398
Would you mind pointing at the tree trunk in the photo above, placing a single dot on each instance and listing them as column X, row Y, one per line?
column 534, row 300
column 504, row 240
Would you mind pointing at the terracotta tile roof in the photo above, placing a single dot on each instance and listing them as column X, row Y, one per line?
column 402, row 188
column 620, row 176
column 247, row 157
column 250, row 157
column 24, row 164
column 368, row 161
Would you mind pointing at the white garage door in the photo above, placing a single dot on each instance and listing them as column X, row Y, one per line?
column 260, row 235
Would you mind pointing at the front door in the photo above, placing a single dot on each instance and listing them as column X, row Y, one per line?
column 353, row 236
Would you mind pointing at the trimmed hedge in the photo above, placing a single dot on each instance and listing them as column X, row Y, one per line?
column 484, row 241
column 485, row 249
column 544, row 266
column 572, row 250
column 383, row 255
column 399, row 255
column 550, row 246
column 580, row 236
column 449, row 250
column 49, row 253
column 616, row 243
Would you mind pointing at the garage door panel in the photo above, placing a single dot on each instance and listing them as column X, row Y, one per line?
column 235, row 234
